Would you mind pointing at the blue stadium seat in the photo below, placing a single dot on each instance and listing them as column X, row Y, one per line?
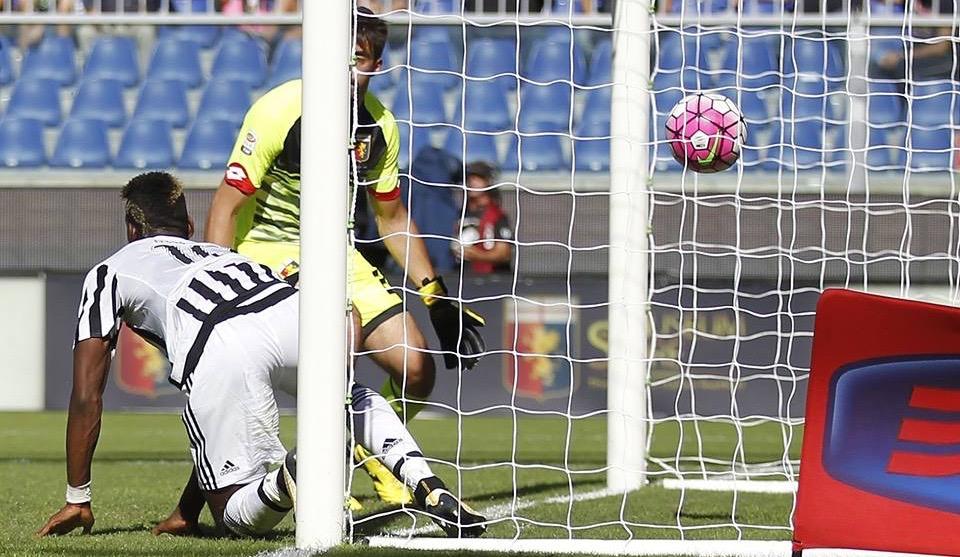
column 436, row 7
column 52, row 59
column 885, row 105
column 439, row 34
column 6, row 65
column 224, row 100
column 424, row 105
column 545, row 107
column 480, row 147
column 693, row 8
column 536, row 153
column 592, row 153
column 21, row 143
column 488, row 57
column 287, row 62
column 145, row 144
column 420, row 139
column 685, row 60
column 113, row 57
column 596, row 109
column 811, row 56
column 435, row 57
column 931, row 150
column 176, row 60
column 162, row 99
column 551, row 60
column 601, row 63
column 485, row 107
column 38, row 99
column 100, row 99
column 799, row 146
column 750, row 62
column 934, row 103
column 209, row 144
column 205, row 36
column 885, row 119
column 241, row 60
column 82, row 144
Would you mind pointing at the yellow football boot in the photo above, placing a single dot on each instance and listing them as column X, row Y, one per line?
column 389, row 489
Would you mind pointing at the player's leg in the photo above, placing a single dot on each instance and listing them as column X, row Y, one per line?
column 377, row 427
column 392, row 337
column 379, row 309
column 398, row 347
column 233, row 421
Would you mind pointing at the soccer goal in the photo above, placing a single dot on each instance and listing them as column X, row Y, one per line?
column 686, row 299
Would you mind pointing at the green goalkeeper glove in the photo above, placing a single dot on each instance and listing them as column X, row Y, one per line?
column 447, row 316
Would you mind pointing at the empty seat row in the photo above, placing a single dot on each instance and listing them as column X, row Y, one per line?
column 240, row 59
column 83, row 143
column 102, row 99
column 484, row 107
column 555, row 58
column 544, row 152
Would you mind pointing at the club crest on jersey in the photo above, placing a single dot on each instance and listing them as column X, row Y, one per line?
column 249, row 142
column 361, row 149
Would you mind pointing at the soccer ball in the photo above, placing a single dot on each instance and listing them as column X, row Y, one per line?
column 705, row 132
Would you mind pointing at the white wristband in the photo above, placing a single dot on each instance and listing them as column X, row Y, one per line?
column 77, row 495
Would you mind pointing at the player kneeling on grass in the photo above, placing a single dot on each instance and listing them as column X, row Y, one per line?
column 229, row 328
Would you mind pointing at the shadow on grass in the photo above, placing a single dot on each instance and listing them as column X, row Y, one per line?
column 375, row 522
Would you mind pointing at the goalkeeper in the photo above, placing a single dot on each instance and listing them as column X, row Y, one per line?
column 256, row 209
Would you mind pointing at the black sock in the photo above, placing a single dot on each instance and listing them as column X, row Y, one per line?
column 424, row 488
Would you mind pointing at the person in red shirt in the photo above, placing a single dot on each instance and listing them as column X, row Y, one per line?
column 485, row 235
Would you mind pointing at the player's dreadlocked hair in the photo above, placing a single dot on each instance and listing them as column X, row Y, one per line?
column 155, row 203
column 371, row 31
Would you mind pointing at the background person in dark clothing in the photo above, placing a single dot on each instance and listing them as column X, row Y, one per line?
column 486, row 235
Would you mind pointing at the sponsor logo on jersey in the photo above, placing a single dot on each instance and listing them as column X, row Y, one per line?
column 893, row 429
column 249, row 142
column 388, row 444
column 542, row 370
column 227, row 468
column 361, row 149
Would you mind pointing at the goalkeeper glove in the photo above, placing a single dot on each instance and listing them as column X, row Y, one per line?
column 447, row 316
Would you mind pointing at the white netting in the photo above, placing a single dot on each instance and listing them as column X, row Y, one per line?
column 846, row 179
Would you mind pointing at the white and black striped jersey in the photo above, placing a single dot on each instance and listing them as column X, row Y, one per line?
column 172, row 292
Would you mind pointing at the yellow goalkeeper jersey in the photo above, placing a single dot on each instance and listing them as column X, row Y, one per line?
column 265, row 162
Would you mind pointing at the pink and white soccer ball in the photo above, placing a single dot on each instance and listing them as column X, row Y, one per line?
column 705, row 132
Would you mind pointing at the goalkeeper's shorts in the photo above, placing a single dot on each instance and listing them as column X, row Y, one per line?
column 371, row 294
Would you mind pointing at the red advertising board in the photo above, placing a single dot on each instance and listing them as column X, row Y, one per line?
column 880, row 468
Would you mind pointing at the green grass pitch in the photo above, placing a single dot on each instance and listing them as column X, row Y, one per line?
column 142, row 462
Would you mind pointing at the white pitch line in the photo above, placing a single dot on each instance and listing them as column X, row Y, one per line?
column 504, row 510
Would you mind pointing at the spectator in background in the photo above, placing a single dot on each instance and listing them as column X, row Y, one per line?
column 486, row 234
column 86, row 34
column 931, row 52
column 269, row 35
column 29, row 35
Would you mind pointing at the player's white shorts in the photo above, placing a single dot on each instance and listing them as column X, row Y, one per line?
column 231, row 415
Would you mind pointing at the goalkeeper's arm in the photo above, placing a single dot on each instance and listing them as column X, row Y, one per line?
column 456, row 327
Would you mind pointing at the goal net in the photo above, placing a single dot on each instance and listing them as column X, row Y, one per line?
column 649, row 330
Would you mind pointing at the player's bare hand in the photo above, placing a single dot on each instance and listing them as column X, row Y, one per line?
column 68, row 519
column 176, row 525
